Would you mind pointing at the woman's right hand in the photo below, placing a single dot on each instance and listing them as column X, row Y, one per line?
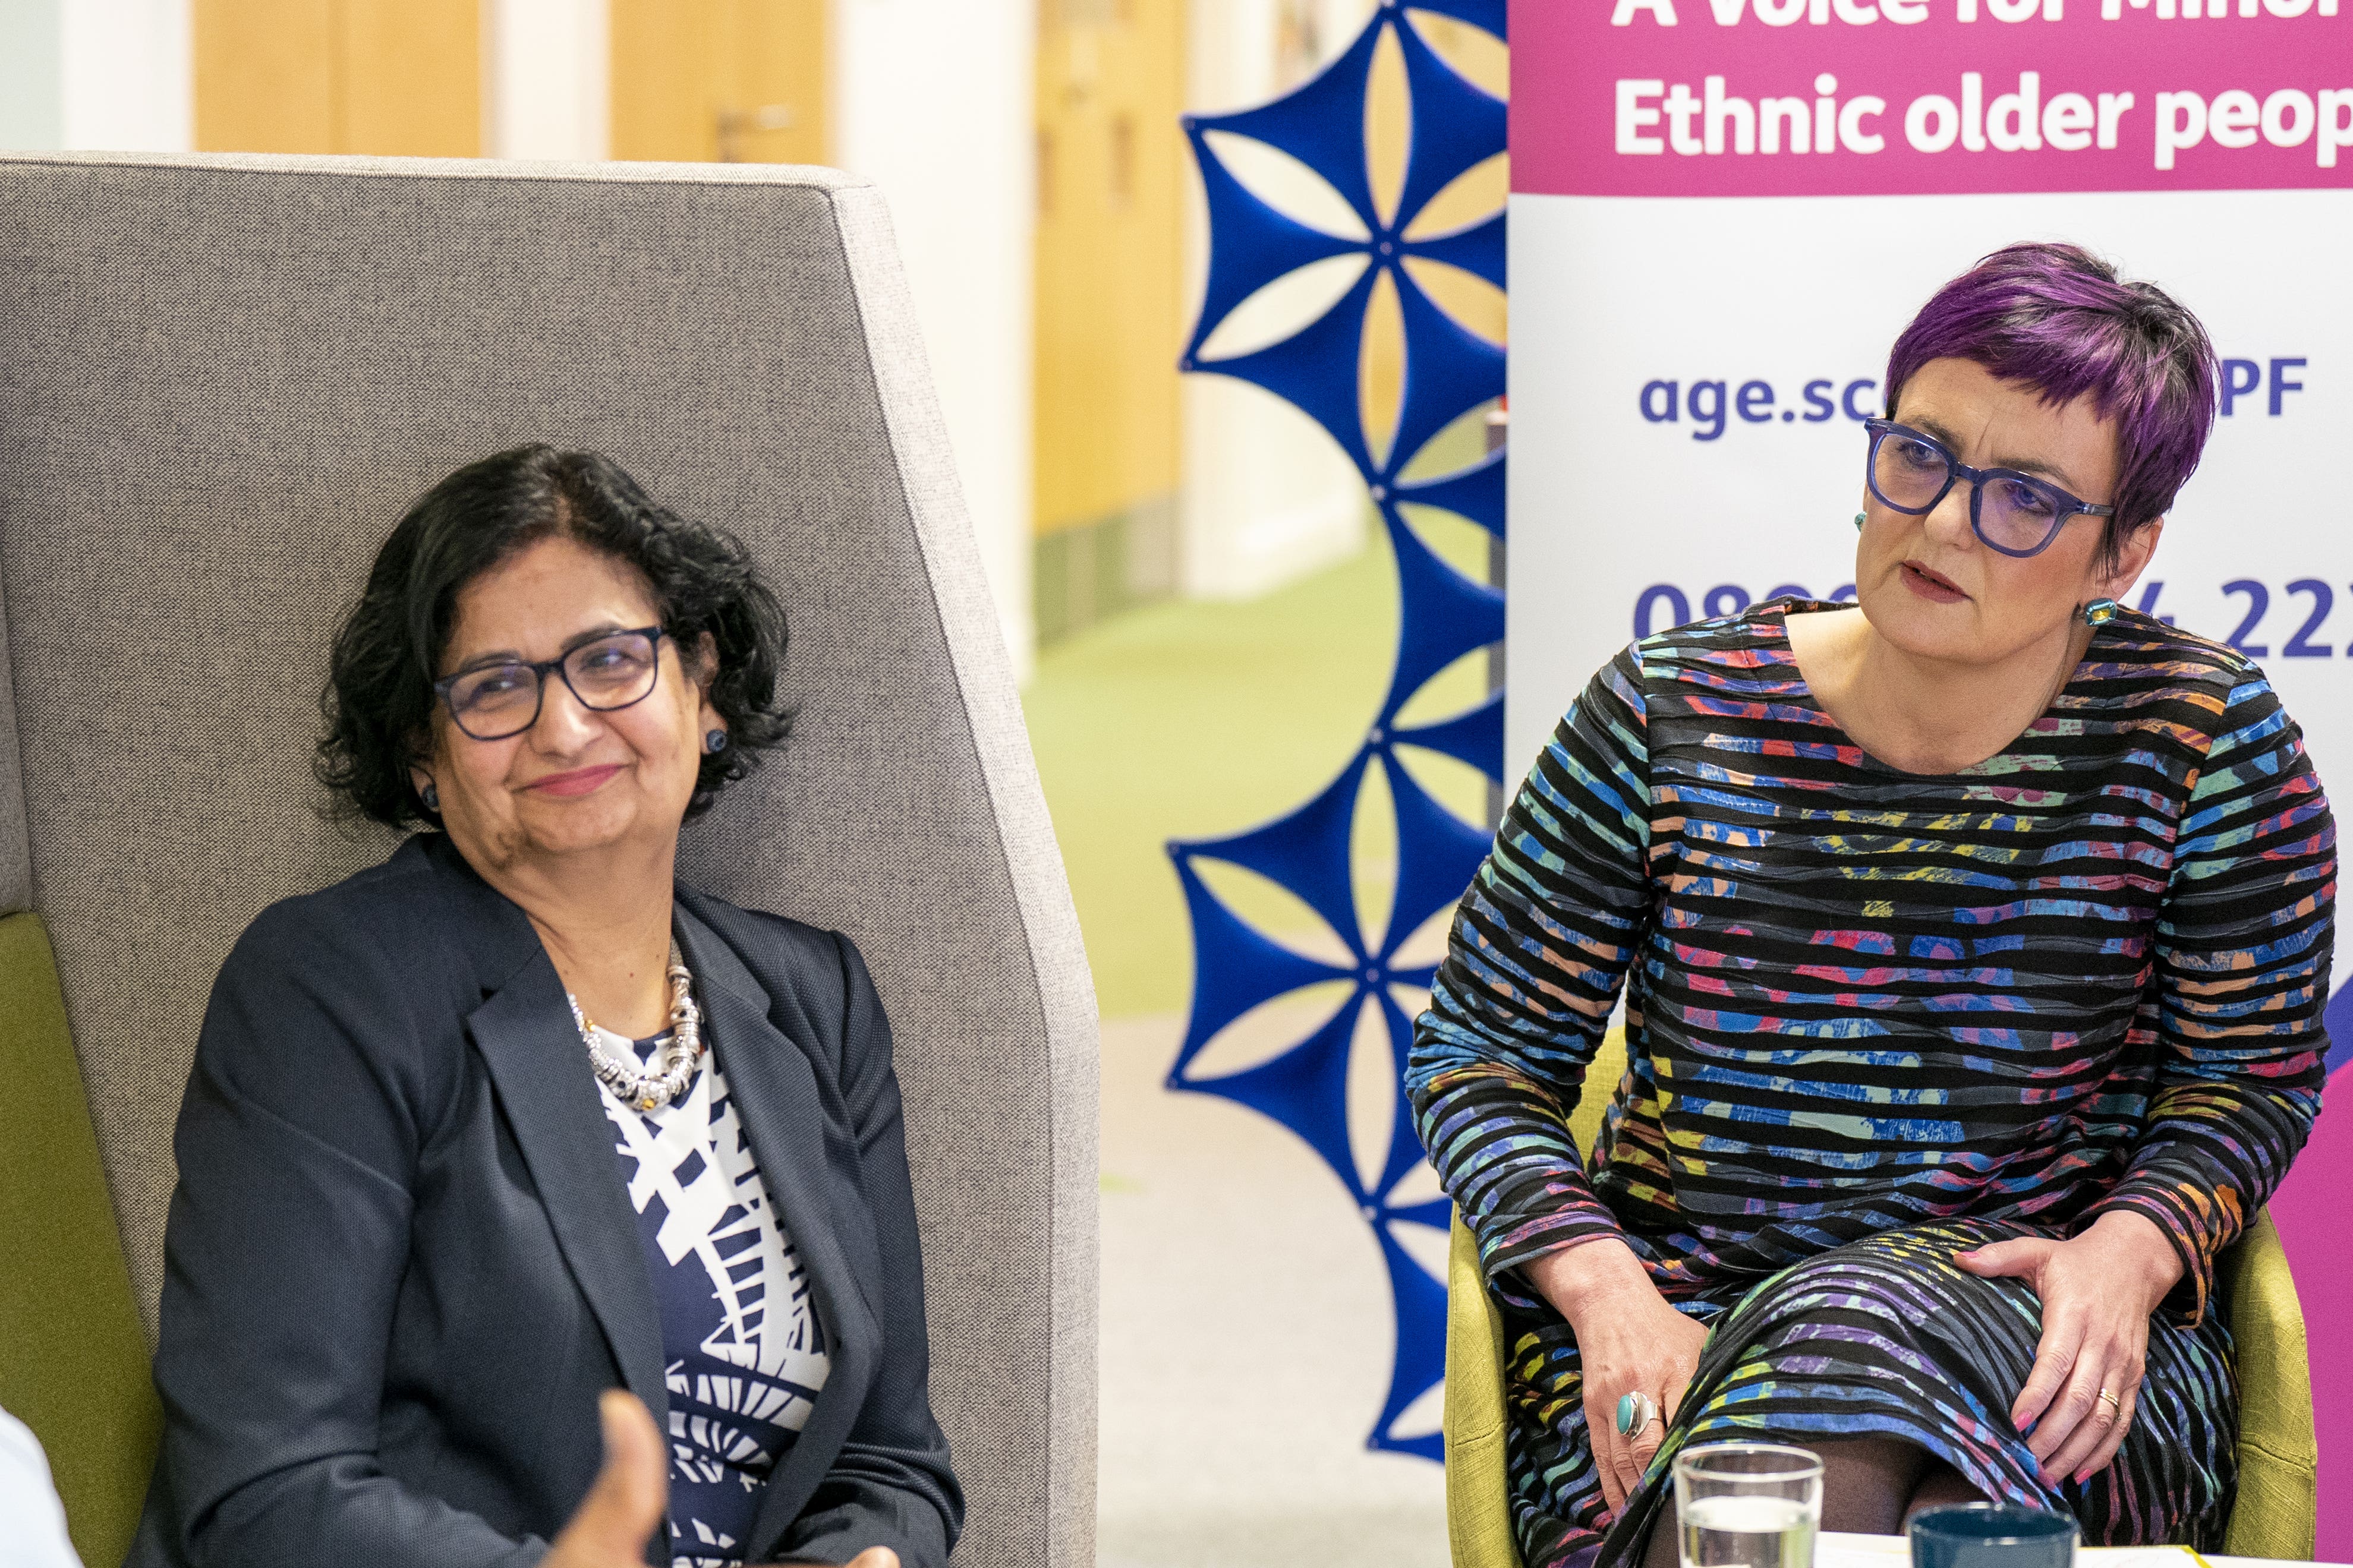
column 1628, row 1341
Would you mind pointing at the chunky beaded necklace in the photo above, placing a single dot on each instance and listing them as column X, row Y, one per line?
column 645, row 1087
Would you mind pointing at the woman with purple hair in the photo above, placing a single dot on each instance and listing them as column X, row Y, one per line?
column 1975, row 939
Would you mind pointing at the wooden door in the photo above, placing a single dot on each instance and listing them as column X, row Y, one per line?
column 383, row 77
column 1110, row 301
column 728, row 82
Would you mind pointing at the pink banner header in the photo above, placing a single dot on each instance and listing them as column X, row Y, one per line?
column 1785, row 98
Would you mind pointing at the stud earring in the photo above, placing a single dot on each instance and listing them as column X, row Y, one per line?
column 2099, row 612
column 430, row 796
column 1858, row 520
column 715, row 742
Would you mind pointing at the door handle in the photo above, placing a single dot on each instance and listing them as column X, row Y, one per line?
column 734, row 123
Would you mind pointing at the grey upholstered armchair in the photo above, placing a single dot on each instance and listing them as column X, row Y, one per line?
column 220, row 380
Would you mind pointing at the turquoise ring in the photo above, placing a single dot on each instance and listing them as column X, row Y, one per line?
column 1636, row 1411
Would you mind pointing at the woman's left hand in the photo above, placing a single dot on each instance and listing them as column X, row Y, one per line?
column 2099, row 1290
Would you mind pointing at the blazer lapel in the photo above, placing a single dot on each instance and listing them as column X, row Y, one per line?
column 797, row 1138
column 525, row 1032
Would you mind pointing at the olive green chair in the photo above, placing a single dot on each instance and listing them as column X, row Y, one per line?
column 2274, row 1515
column 73, row 1362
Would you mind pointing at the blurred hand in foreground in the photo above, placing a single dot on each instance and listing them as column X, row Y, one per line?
column 622, row 1510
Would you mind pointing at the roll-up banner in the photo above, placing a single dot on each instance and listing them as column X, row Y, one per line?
column 1723, row 211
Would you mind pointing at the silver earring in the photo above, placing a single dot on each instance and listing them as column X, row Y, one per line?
column 431, row 797
column 2099, row 612
column 715, row 742
column 1858, row 520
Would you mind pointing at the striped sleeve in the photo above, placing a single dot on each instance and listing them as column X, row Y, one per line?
column 1538, row 950
column 2241, row 967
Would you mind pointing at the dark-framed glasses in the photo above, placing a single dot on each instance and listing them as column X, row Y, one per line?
column 2017, row 514
column 493, row 701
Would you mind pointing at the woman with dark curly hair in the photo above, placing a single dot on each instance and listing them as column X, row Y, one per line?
column 513, row 1120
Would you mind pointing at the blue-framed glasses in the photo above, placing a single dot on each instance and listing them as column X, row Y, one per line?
column 2014, row 513
column 493, row 701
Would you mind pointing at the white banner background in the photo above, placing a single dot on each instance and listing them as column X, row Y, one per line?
column 1611, row 293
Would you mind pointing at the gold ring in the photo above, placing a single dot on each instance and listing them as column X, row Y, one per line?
column 2115, row 1406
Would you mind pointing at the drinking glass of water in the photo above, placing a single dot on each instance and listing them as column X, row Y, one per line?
column 1748, row 1505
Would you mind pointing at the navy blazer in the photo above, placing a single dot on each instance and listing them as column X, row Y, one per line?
column 401, row 1261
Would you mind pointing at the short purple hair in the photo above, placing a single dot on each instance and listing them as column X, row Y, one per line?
column 2057, row 318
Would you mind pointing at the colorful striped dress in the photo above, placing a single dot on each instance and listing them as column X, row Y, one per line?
column 1871, row 1017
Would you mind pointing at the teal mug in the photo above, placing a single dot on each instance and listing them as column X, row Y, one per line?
column 1991, row 1535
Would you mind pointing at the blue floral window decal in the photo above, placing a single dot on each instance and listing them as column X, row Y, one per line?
column 1450, row 370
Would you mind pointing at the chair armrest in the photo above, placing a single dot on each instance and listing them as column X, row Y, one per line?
column 2274, row 1512
column 1478, row 1509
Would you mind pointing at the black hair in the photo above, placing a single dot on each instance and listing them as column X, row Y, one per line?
column 377, row 707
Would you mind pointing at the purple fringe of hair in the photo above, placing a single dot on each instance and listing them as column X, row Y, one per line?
column 2057, row 318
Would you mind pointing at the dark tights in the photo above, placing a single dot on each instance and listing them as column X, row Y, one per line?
column 1870, row 1486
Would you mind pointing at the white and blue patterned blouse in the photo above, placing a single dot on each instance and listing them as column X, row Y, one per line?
column 744, row 1354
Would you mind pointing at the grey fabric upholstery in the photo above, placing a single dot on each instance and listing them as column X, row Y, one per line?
column 221, row 380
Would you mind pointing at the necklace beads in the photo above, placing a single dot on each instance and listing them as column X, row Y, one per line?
column 643, row 1085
